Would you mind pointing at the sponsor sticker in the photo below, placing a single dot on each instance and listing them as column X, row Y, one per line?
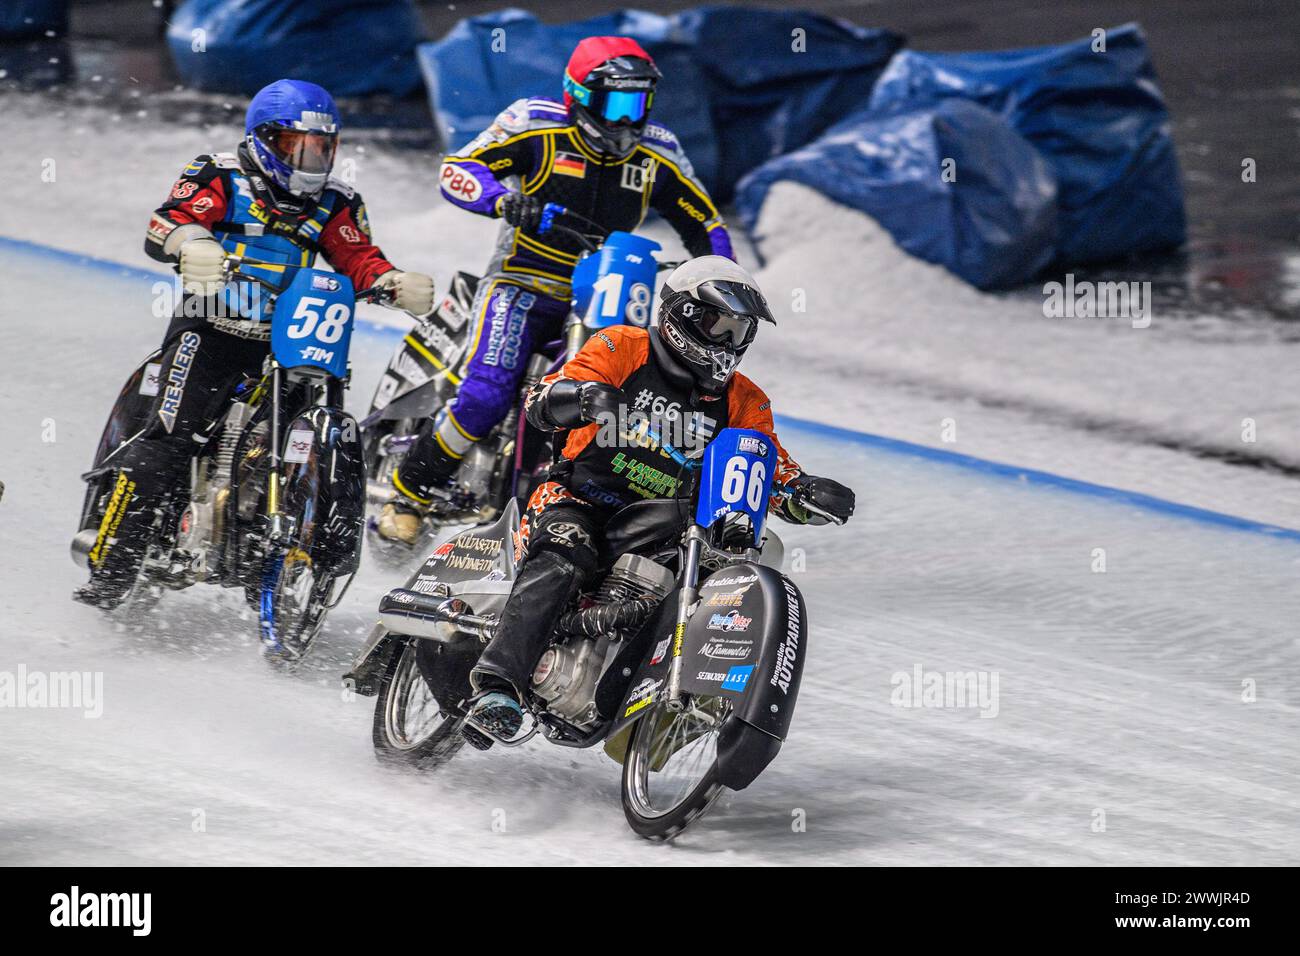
column 729, row 621
column 298, row 448
column 726, row 650
column 151, row 380
column 737, row 678
column 755, row 446
column 661, row 649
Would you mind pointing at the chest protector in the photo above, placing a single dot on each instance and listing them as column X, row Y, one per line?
column 253, row 229
column 621, row 465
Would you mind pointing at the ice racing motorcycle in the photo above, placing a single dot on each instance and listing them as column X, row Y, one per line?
column 613, row 284
column 684, row 661
column 275, row 502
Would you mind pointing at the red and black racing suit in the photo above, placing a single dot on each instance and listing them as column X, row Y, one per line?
column 207, row 350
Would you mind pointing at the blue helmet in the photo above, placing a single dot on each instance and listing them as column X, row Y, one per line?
column 292, row 130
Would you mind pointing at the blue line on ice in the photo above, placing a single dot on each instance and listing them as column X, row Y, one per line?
column 830, row 432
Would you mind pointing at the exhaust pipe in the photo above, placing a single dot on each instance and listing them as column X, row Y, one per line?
column 83, row 542
column 439, row 618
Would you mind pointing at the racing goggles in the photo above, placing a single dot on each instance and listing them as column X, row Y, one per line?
column 730, row 311
column 304, row 150
column 721, row 328
column 613, row 106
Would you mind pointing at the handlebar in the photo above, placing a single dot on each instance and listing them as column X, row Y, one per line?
column 231, row 266
column 589, row 241
column 691, row 464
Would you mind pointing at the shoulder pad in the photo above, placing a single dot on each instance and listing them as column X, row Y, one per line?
column 511, row 120
column 543, row 111
column 340, row 187
column 657, row 135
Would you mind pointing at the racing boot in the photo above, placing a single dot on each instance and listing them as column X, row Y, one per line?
column 495, row 712
column 402, row 521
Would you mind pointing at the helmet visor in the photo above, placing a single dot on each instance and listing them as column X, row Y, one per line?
column 735, row 297
column 303, row 150
column 723, row 327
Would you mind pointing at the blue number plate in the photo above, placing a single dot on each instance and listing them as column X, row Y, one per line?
column 615, row 286
column 736, row 478
column 312, row 322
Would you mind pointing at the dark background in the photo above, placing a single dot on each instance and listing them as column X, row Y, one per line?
column 1230, row 70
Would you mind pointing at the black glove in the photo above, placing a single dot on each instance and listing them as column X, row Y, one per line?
column 571, row 404
column 523, row 212
column 824, row 493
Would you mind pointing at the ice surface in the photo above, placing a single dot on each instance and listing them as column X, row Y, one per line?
column 887, row 343
column 1118, row 691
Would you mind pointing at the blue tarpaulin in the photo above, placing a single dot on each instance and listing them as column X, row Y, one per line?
column 740, row 85
column 20, row 19
column 350, row 47
column 1096, row 116
column 954, row 184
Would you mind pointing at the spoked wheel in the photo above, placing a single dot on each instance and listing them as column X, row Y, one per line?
column 410, row 727
column 294, row 599
column 670, row 772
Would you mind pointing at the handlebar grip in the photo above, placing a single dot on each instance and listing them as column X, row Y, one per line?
column 549, row 212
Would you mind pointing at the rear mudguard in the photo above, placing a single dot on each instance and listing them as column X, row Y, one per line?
column 131, row 410
column 422, row 370
column 369, row 666
column 325, row 486
column 470, row 565
column 129, row 416
column 745, row 641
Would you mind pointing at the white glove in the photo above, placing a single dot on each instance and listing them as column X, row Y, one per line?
column 411, row 291
column 201, row 261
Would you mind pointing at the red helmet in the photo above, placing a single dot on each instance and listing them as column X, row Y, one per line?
column 609, row 86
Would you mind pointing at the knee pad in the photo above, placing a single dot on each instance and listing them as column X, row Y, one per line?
column 570, row 534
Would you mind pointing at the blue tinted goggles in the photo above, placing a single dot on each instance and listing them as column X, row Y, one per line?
column 612, row 105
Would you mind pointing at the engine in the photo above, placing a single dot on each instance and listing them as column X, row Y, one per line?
column 567, row 674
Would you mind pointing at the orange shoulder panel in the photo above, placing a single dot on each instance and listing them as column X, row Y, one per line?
column 749, row 407
column 610, row 356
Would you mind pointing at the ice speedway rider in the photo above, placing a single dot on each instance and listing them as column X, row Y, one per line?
column 596, row 154
column 273, row 200
column 708, row 316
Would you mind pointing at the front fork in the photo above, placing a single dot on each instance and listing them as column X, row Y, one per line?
column 686, row 599
column 277, row 524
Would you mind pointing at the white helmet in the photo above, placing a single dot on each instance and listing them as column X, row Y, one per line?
column 709, row 312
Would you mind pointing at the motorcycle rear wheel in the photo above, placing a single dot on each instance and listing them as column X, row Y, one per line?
column 410, row 729
column 670, row 773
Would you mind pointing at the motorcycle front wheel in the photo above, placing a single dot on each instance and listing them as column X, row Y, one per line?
column 293, row 601
column 671, row 768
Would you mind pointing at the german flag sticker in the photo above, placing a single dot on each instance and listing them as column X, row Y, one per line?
column 570, row 164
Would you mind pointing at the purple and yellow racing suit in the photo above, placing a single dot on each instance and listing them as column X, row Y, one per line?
column 533, row 148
